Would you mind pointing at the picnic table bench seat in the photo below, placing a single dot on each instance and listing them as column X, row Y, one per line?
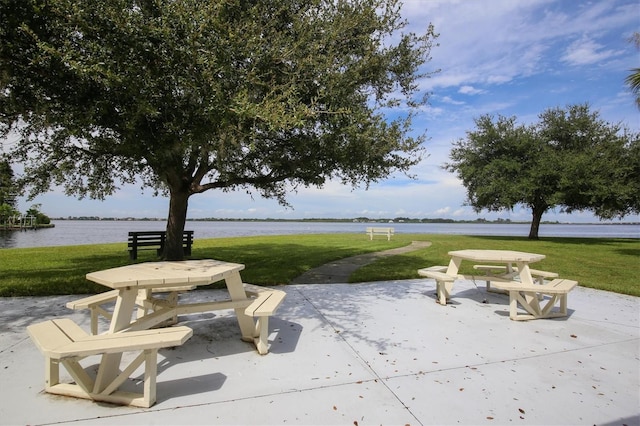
column 373, row 230
column 493, row 270
column 62, row 341
column 266, row 301
column 444, row 282
column 539, row 275
column 147, row 240
column 263, row 303
column 260, row 304
column 527, row 297
column 97, row 303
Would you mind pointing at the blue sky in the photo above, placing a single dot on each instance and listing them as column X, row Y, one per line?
column 514, row 58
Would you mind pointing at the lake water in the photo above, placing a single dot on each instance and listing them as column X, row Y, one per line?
column 76, row 232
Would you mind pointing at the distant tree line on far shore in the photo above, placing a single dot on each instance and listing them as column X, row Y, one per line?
column 346, row 220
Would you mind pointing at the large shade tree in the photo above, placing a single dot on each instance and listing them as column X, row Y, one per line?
column 571, row 159
column 186, row 96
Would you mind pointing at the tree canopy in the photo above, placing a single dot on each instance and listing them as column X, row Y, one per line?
column 633, row 79
column 570, row 159
column 7, row 185
column 7, row 193
column 185, row 96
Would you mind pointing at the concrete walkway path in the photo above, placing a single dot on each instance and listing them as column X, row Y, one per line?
column 340, row 270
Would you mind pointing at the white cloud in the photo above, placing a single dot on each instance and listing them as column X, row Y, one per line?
column 470, row 90
column 449, row 100
column 586, row 51
column 461, row 213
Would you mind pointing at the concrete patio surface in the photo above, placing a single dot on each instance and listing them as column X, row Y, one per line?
column 362, row 354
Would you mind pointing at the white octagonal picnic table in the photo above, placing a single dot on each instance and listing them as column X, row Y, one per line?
column 139, row 280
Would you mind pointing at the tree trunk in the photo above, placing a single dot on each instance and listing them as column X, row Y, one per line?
column 178, row 204
column 535, row 223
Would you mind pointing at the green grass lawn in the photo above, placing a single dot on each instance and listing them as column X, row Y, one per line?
column 607, row 264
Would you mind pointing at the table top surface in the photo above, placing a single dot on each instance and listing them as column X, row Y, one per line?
column 158, row 274
column 496, row 255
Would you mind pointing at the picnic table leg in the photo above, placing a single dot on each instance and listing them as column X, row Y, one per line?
column 261, row 332
column 143, row 296
column 172, row 299
column 526, row 279
column 236, row 291
column 151, row 372
column 443, row 291
column 51, row 372
column 110, row 363
column 146, row 305
column 563, row 304
column 513, row 307
column 454, row 266
column 447, row 286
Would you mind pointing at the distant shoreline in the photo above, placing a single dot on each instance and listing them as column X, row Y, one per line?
column 347, row 220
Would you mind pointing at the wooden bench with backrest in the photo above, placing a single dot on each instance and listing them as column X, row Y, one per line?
column 148, row 240
column 527, row 297
column 444, row 282
column 371, row 231
column 62, row 341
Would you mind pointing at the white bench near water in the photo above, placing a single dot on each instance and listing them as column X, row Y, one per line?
column 62, row 341
column 372, row 230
